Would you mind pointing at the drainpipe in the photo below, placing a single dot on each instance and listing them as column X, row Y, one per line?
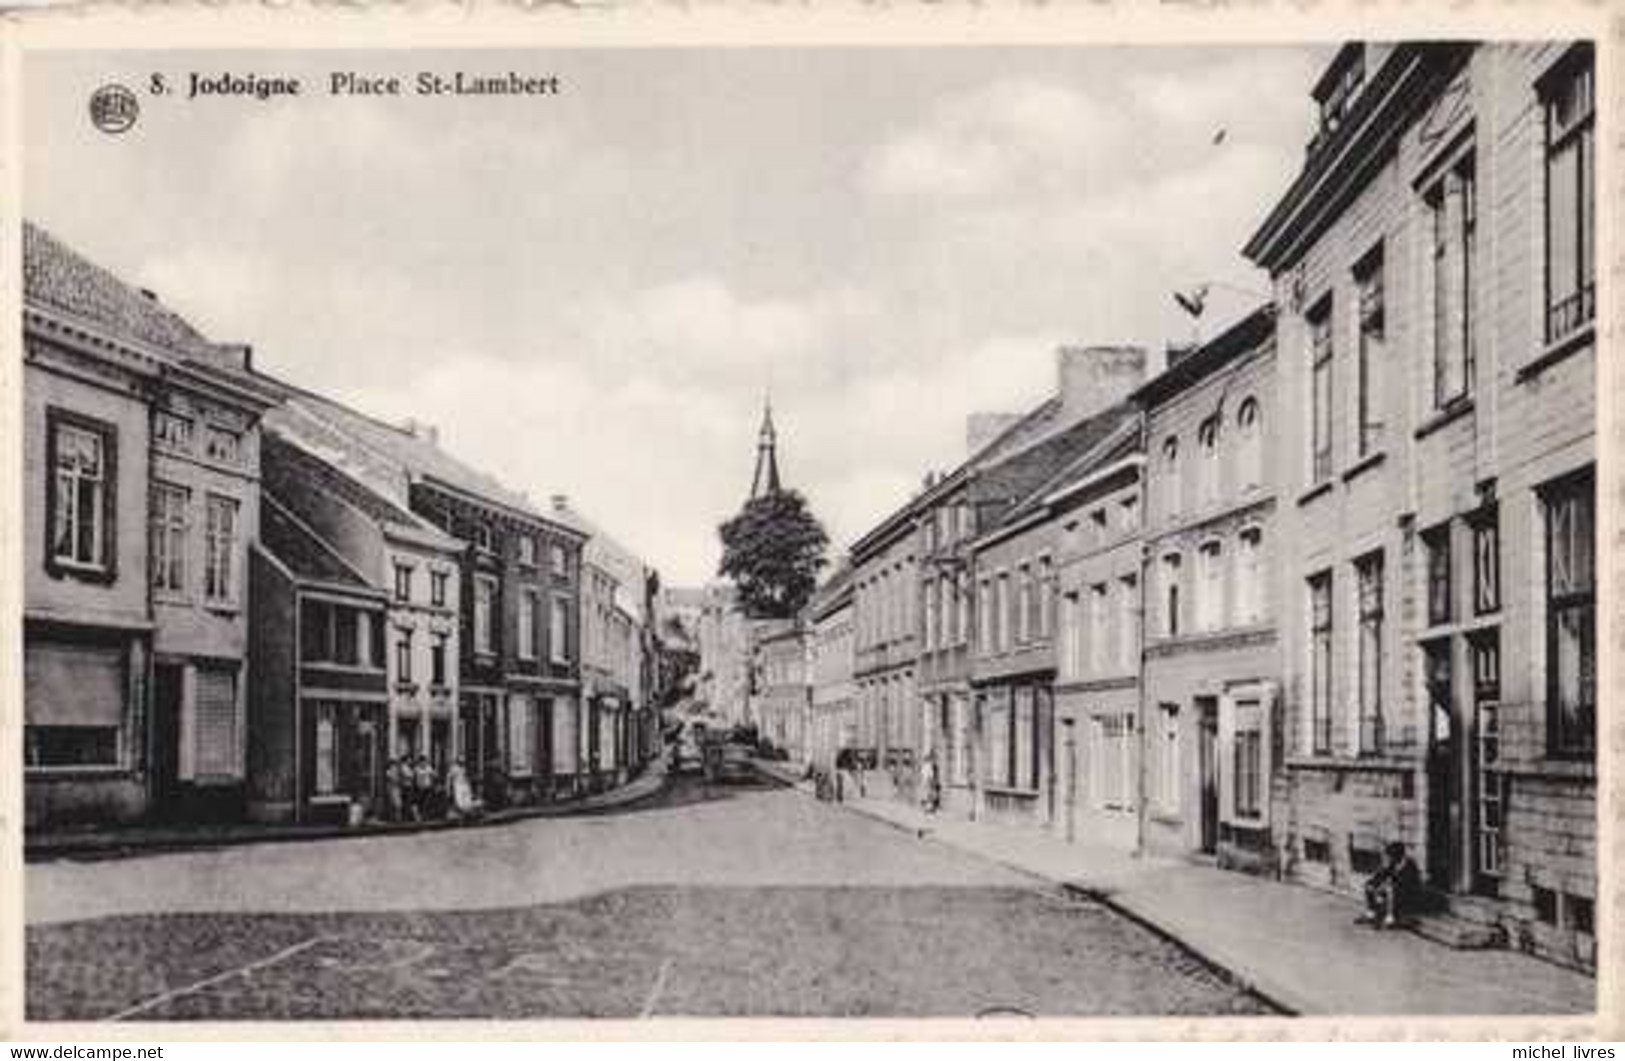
column 1140, row 804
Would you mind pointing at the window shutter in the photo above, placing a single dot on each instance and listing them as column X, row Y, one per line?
column 73, row 685
column 216, row 726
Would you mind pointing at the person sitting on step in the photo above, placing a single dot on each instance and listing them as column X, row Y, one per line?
column 1395, row 890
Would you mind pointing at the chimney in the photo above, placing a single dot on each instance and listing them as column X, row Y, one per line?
column 561, row 502
column 149, row 294
column 982, row 428
column 239, row 356
column 420, row 429
column 1094, row 378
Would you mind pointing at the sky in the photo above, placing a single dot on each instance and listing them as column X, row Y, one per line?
column 590, row 294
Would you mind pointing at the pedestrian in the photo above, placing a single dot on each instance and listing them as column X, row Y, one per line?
column 423, row 776
column 395, row 785
column 930, row 784
column 1394, row 891
column 461, row 792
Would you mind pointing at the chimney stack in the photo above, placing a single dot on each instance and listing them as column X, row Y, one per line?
column 423, row 430
column 239, row 356
column 561, row 502
column 1092, row 379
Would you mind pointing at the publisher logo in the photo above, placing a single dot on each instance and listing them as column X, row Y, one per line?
column 113, row 109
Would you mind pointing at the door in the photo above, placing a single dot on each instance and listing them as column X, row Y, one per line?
column 1443, row 797
column 168, row 684
column 1207, row 754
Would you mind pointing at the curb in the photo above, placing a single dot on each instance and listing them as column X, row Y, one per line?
column 1225, row 965
column 101, row 847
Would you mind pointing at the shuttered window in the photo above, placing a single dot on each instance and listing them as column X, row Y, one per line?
column 217, row 725
column 73, row 705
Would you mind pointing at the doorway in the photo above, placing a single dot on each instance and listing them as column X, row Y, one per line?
column 1444, row 815
column 1207, row 755
column 168, row 685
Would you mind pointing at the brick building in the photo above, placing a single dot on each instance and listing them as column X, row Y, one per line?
column 1435, row 266
column 1211, row 662
column 834, row 707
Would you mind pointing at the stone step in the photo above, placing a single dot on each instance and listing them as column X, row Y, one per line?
column 1458, row 933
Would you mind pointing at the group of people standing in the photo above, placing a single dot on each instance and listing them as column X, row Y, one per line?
column 416, row 792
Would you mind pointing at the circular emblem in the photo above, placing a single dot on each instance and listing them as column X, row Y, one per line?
column 113, row 108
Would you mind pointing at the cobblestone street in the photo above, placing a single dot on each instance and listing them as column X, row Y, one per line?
column 708, row 901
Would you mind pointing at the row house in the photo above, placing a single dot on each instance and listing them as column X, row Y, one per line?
column 1211, row 659
column 519, row 715
column 781, row 666
column 1019, row 772
column 1435, row 263
column 885, row 598
column 723, row 632
column 834, row 722
column 396, row 552
column 319, row 692
column 140, row 466
column 612, row 636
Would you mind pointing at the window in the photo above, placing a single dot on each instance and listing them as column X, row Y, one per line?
column 997, row 714
column 81, row 508
column 529, row 610
column 1130, row 520
column 1071, row 647
column 1320, row 391
column 948, row 629
column 169, row 538
column 932, row 615
column 437, row 661
column 1368, row 278
column 1025, row 626
column 521, row 735
column 1571, row 266
column 222, row 444
column 559, row 631
column 1249, row 760
column 74, row 705
column 962, row 593
column 1250, row 576
column 1452, row 201
column 1003, row 608
column 172, row 431
column 559, row 561
column 327, row 749
column 1340, row 91
column 1170, row 595
column 1436, row 544
column 1249, row 445
column 1486, row 563
column 1320, row 663
column 1210, row 586
column 1112, row 769
column 220, row 550
column 1171, row 499
column 437, row 588
column 1098, row 527
column 1571, row 649
column 984, row 617
column 1168, row 760
column 483, row 540
column 1207, row 440
column 1486, row 653
column 527, row 550
column 1368, row 574
column 1098, row 614
column 403, row 582
column 485, row 599
column 403, row 657
column 1128, row 622
column 1024, row 743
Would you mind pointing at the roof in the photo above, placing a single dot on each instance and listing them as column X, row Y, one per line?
column 56, row 275
column 417, row 456
column 300, row 550
column 1122, row 441
column 331, row 465
column 1246, row 335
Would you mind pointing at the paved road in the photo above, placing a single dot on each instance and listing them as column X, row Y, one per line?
column 706, row 902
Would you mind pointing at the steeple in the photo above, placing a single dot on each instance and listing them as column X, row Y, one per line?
column 766, row 481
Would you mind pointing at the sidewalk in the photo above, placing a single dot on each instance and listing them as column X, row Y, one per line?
column 1296, row 945
column 146, row 839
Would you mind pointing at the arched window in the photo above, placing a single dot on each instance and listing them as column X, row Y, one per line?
column 1207, row 443
column 1170, row 476
column 1250, row 448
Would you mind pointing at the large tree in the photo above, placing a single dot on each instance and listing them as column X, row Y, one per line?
column 772, row 550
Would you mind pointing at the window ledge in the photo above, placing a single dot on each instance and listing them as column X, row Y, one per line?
column 68, row 773
column 1001, row 790
column 1166, row 818
column 1324, row 761
column 221, row 607
column 1577, row 769
column 1319, row 489
column 1557, row 351
column 1364, row 464
column 1452, row 412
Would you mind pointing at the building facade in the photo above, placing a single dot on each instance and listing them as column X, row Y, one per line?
column 140, row 467
column 1435, row 264
column 834, row 694
column 782, row 665
column 1210, row 727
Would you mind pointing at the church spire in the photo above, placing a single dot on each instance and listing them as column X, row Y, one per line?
column 766, row 481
